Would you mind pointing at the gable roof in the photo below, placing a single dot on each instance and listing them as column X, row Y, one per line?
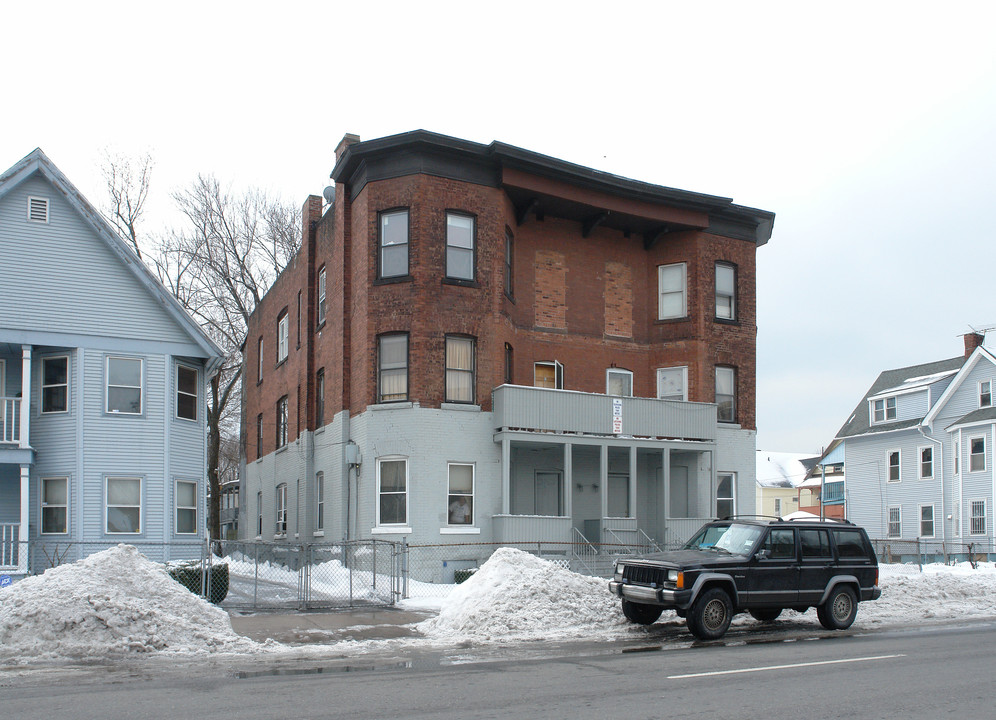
column 779, row 469
column 978, row 355
column 895, row 381
column 976, row 416
column 36, row 162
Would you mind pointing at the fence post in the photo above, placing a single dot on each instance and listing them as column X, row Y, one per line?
column 206, row 586
column 375, row 563
column 305, row 590
column 919, row 557
column 404, row 568
column 255, row 578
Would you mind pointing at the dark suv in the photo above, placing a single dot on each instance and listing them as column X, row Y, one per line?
column 753, row 565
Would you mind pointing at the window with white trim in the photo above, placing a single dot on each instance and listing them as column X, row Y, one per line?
column 883, row 410
column 460, row 242
column 186, row 392
column 319, row 500
column 894, row 465
column 726, row 484
column 282, row 422
column 895, row 522
column 619, row 382
column 55, row 384
column 460, row 496
column 672, row 383
column 185, row 500
column 726, row 394
column 123, row 505
column 726, row 291
column 926, row 521
column 985, row 393
column 393, row 244
column 259, row 514
column 392, row 491
column 548, row 375
column 259, row 360
column 321, row 296
column 977, row 456
column 281, row 525
column 124, row 385
column 283, row 330
column 926, row 463
column 672, row 291
column 778, row 507
column 957, row 455
column 978, row 518
column 37, row 209
column 55, row 506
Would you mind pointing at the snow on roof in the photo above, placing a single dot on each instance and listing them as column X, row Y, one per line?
column 114, row 602
column 915, row 382
column 779, row 469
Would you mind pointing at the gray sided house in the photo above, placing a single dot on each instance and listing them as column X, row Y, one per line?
column 102, row 385
column 918, row 454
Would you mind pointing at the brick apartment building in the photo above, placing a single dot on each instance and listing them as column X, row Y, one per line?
column 478, row 343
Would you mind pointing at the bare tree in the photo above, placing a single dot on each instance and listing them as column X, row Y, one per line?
column 127, row 190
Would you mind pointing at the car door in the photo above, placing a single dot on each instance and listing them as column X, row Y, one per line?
column 774, row 570
column 816, row 565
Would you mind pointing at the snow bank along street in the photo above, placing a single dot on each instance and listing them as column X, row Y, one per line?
column 118, row 604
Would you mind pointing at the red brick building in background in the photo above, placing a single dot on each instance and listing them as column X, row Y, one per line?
column 478, row 340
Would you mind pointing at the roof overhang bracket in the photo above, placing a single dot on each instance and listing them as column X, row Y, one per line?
column 593, row 222
column 653, row 237
column 523, row 212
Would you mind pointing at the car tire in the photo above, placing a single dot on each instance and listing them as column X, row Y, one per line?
column 710, row 615
column 839, row 610
column 765, row 614
column 641, row 613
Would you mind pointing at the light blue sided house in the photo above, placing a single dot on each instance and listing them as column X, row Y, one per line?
column 918, row 455
column 102, row 386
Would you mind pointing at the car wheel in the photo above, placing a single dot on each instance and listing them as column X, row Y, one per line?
column 710, row 615
column 640, row 613
column 765, row 614
column 838, row 612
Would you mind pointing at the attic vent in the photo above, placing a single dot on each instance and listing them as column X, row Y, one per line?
column 38, row 209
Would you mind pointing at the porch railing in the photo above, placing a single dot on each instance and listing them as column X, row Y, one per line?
column 584, row 553
column 10, row 540
column 10, row 420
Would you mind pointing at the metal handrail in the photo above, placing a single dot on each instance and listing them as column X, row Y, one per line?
column 583, row 551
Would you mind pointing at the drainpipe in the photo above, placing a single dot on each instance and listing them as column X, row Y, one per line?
column 939, row 464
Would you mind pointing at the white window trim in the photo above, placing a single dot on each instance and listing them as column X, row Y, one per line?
column 558, row 373
column 885, row 410
column 259, row 365
column 971, row 454
column 321, row 296
column 888, row 465
column 283, row 337
column 319, row 502
column 141, row 503
column 197, row 391
column 472, row 249
column 177, row 507
column 933, row 521
column 609, row 372
column 733, row 297
column 684, row 381
column 473, row 496
column 43, row 202
column 979, row 394
column 985, row 516
column 393, row 527
column 733, row 381
column 919, row 463
column 41, row 399
column 888, row 521
column 281, row 510
column 42, row 505
column 733, row 491
column 684, row 291
column 108, row 386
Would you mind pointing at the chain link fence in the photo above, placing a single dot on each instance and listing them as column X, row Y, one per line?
column 909, row 556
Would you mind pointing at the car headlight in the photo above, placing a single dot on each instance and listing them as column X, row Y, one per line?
column 620, row 569
column 672, row 576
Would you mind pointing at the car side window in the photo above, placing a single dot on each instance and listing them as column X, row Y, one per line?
column 850, row 544
column 815, row 544
column 780, row 544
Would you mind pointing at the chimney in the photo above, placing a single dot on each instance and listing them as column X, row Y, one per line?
column 347, row 140
column 972, row 341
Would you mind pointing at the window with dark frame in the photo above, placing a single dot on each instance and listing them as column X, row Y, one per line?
column 299, row 318
column 259, row 514
column 320, row 399
column 977, row 457
column 726, row 394
column 460, row 241
column 186, row 392
column 894, row 466
column 926, row 463
column 509, row 277
column 985, row 393
column 55, row 384
column 321, row 296
column 282, row 422
column 509, row 356
column 259, row 436
column 393, row 244
column 55, row 506
column 392, row 368
column 726, row 291
column 459, row 369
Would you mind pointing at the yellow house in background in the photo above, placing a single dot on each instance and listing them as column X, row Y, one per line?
column 778, row 477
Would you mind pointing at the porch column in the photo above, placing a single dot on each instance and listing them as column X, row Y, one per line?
column 506, row 475
column 603, row 485
column 632, row 482
column 569, row 480
column 665, row 488
column 22, row 533
column 24, row 441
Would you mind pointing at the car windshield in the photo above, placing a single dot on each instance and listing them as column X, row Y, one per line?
column 733, row 538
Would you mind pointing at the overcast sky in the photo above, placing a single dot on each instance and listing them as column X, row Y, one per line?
column 868, row 128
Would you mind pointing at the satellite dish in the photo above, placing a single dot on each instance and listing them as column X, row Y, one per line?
column 329, row 193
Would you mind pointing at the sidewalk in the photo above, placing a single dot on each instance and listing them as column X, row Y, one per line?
column 297, row 628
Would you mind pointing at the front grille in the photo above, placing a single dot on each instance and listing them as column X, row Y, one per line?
column 642, row 575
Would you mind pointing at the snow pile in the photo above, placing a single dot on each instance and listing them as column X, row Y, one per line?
column 517, row 596
column 112, row 603
column 940, row 592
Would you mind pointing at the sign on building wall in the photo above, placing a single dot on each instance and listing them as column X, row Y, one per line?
column 617, row 416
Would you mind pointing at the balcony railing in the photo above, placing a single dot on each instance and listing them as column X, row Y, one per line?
column 833, row 493
column 10, row 420
column 10, row 542
column 545, row 410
